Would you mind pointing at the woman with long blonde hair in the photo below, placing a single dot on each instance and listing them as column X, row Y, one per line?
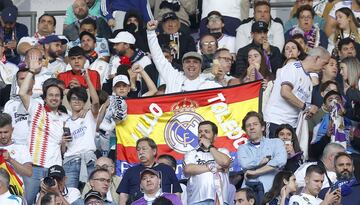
column 346, row 26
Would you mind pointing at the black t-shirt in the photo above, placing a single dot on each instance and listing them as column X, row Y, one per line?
column 130, row 183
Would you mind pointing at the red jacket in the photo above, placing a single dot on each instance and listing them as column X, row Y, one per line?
column 70, row 75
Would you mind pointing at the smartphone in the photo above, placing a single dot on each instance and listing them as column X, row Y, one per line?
column 67, row 131
column 334, row 187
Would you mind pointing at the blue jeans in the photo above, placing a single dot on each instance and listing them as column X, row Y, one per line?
column 32, row 184
column 72, row 171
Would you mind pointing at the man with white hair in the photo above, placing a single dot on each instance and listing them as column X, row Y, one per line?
column 326, row 163
column 293, row 89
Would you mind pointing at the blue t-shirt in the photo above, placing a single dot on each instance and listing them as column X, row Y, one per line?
column 130, row 183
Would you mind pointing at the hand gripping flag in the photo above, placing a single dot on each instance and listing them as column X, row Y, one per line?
column 16, row 185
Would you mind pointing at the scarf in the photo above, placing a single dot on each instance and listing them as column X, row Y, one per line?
column 345, row 185
column 312, row 36
column 92, row 57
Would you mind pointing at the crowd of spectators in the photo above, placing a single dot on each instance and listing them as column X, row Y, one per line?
column 62, row 95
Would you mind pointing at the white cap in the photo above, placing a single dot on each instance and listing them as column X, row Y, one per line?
column 121, row 78
column 123, row 37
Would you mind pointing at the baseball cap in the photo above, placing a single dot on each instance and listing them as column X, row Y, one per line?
column 259, row 26
column 121, row 78
column 151, row 171
column 9, row 14
column 52, row 38
column 192, row 54
column 168, row 16
column 56, row 171
column 123, row 37
column 92, row 194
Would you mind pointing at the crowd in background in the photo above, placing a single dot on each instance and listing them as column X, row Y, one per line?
column 62, row 95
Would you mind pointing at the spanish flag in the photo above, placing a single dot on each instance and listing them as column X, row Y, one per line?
column 16, row 185
column 172, row 121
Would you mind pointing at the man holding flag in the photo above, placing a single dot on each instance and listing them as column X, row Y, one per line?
column 13, row 157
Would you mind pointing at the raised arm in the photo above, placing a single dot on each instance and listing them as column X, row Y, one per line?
column 136, row 68
column 95, row 104
column 35, row 67
column 22, row 169
column 161, row 63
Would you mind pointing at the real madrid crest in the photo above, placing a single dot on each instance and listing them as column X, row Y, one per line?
column 182, row 129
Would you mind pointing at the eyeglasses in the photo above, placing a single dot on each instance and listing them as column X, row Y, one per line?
column 226, row 59
column 211, row 43
column 103, row 180
column 105, row 166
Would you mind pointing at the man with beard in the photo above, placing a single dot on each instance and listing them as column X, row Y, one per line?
column 207, row 168
column 52, row 50
column 81, row 12
column 13, row 32
column 94, row 10
column 101, row 46
column 313, row 180
column 88, row 44
column 128, row 53
column 346, row 181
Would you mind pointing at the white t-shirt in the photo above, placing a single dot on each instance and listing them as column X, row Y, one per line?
column 304, row 199
column 20, row 120
column 278, row 110
column 301, row 171
column 45, row 135
column 9, row 199
column 228, row 42
column 83, row 132
column 231, row 8
column 72, row 195
column 56, row 67
column 102, row 67
column 39, row 81
column 202, row 186
column 340, row 5
column 18, row 152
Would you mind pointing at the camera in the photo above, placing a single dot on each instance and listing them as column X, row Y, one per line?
column 49, row 181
